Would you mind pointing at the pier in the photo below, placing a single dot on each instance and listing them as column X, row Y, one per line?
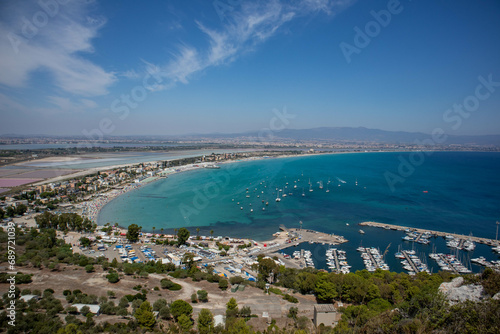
column 461, row 237
column 450, row 265
column 419, row 236
column 375, row 263
column 294, row 236
column 410, row 261
column 337, row 265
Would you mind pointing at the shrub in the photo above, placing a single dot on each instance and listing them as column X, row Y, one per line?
column 180, row 307
column 113, row 277
column 236, row 280
column 290, row 298
column 202, row 295
column 223, row 284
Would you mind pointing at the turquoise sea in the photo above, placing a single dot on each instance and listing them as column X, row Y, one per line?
column 446, row 191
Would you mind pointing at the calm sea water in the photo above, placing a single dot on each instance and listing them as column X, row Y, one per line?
column 447, row 191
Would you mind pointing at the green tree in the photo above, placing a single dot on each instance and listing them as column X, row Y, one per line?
column 188, row 260
column 180, row 307
column 113, row 277
column 240, row 326
column 164, row 312
column 85, row 310
column 10, row 212
column 202, row 295
column 223, row 284
column 232, row 308
column 205, row 321
column 21, row 209
column 144, row 316
column 159, row 303
column 211, row 233
column 85, row 242
column 246, row 312
column 89, row 268
column 325, row 290
column 185, row 323
column 133, row 232
column 182, row 236
column 267, row 268
column 292, row 312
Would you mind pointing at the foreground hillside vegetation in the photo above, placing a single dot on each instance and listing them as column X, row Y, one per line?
column 379, row 302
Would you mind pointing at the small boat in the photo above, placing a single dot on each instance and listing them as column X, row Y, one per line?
column 361, row 231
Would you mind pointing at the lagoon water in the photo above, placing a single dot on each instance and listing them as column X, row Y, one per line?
column 446, row 191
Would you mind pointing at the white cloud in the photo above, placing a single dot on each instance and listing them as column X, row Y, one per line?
column 55, row 46
column 66, row 104
column 244, row 27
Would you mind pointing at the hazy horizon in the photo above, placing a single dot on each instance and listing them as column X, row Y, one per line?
column 252, row 132
column 124, row 68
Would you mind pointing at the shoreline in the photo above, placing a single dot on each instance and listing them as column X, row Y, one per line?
column 190, row 167
column 176, row 170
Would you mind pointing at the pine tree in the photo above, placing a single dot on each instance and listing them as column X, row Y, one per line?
column 145, row 316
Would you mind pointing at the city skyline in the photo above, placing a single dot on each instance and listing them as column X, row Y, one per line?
column 171, row 68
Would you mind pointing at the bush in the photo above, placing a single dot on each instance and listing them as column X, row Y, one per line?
column 113, row 277
column 290, row 298
column 223, row 284
column 245, row 312
column 236, row 280
column 180, row 307
column 71, row 310
column 202, row 295
column 85, row 310
column 166, row 283
column 175, row 287
column 179, row 273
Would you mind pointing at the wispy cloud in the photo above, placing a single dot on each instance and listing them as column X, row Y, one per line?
column 248, row 26
column 56, row 47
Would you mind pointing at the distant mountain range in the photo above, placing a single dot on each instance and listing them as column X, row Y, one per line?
column 359, row 134
column 323, row 134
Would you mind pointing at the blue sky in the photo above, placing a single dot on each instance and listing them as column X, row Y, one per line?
column 177, row 67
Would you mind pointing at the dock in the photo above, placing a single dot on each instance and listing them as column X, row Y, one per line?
column 410, row 261
column 337, row 265
column 294, row 236
column 375, row 263
column 462, row 237
column 451, row 266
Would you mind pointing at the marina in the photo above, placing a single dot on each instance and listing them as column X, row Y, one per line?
column 449, row 262
column 337, row 261
column 462, row 239
column 372, row 259
column 412, row 263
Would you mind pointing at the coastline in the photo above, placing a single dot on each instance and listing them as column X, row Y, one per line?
column 96, row 205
